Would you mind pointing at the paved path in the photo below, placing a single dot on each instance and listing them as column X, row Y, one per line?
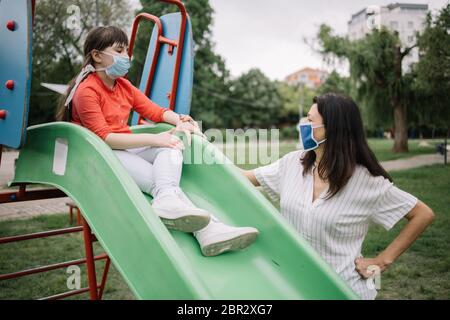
column 414, row 162
column 27, row 209
column 7, row 168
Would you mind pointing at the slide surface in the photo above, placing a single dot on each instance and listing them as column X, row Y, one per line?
column 161, row 264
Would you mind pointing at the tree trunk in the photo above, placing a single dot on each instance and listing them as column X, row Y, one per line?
column 400, row 127
column 400, row 114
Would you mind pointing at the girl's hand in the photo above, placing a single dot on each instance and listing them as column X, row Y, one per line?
column 187, row 125
column 362, row 266
column 167, row 140
column 188, row 118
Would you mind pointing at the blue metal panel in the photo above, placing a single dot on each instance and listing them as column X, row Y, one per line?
column 162, row 82
column 15, row 64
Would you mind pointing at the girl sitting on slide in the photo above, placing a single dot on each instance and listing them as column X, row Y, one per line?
column 100, row 99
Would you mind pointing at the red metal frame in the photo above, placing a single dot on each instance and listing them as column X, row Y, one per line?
column 172, row 95
column 176, row 74
column 90, row 264
column 71, row 209
column 27, row 195
column 33, row 9
column 95, row 290
column 137, row 20
column 44, row 234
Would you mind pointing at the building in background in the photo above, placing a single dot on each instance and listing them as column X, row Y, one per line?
column 405, row 18
column 308, row 77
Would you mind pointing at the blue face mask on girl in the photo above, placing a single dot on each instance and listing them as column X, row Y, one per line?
column 119, row 68
column 307, row 140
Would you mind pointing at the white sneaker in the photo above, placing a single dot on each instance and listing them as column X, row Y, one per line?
column 218, row 237
column 177, row 212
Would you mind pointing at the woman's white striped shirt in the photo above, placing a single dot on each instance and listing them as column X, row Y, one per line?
column 335, row 227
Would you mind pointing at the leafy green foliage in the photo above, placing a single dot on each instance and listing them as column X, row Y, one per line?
column 433, row 69
column 336, row 83
column 388, row 95
column 296, row 99
column 258, row 97
column 372, row 65
column 376, row 71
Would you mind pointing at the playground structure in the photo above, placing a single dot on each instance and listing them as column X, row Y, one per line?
column 155, row 262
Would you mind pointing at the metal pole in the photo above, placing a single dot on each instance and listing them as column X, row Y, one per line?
column 302, row 101
column 445, row 147
column 90, row 264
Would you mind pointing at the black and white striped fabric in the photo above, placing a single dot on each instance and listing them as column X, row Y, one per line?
column 335, row 227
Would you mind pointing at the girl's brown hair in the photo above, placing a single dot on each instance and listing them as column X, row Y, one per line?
column 99, row 39
column 346, row 145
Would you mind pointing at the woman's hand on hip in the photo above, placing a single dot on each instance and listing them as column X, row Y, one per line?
column 366, row 267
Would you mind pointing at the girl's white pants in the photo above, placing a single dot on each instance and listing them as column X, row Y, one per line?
column 155, row 170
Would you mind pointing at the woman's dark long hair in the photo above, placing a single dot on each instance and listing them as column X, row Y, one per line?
column 99, row 39
column 346, row 145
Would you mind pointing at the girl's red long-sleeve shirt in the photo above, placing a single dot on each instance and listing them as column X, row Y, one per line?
column 103, row 110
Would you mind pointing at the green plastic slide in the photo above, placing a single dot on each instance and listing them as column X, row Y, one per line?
column 161, row 264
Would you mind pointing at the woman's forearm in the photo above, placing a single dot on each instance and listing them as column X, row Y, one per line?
column 419, row 218
column 171, row 117
column 251, row 177
column 127, row 140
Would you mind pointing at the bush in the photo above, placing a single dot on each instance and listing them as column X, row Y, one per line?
column 289, row 132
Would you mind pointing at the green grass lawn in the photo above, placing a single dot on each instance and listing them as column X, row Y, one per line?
column 423, row 272
column 33, row 253
column 383, row 148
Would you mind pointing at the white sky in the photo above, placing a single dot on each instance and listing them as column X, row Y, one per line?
column 268, row 34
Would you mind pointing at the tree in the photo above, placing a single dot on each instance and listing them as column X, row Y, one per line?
column 255, row 102
column 58, row 48
column 376, row 69
column 344, row 85
column 336, row 83
column 433, row 69
column 295, row 99
column 210, row 93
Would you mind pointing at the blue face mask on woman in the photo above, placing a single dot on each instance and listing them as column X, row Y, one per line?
column 307, row 140
column 119, row 68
